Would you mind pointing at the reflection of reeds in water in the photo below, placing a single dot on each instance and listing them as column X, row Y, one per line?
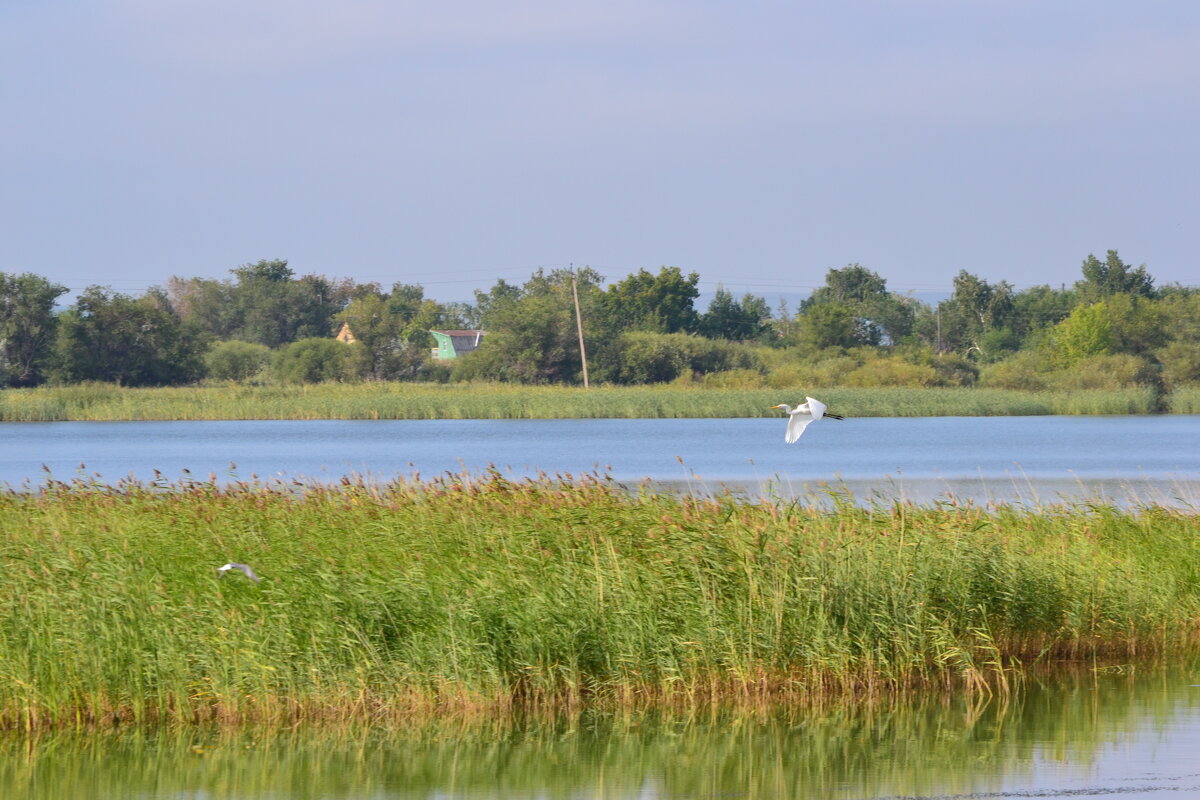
column 504, row 401
column 923, row 745
column 479, row 593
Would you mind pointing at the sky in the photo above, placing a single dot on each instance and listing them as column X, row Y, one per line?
column 455, row 143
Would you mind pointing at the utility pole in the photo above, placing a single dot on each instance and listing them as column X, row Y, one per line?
column 579, row 326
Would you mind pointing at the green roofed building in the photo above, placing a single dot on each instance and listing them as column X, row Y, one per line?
column 452, row 344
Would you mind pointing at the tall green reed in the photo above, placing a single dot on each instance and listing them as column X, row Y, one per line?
column 484, row 592
column 506, row 401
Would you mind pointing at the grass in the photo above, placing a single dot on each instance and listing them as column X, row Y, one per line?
column 94, row 402
column 483, row 593
column 1185, row 400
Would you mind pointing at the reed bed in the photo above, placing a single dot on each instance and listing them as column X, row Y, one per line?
column 96, row 402
column 461, row 593
column 1185, row 400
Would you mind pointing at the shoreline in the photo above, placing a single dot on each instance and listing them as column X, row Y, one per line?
column 105, row 402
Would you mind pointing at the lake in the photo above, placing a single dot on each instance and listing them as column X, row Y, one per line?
column 1028, row 459
column 1125, row 731
column 1075, row 733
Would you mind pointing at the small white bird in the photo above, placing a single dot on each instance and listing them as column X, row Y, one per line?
column 242, row 568
column 800, row 417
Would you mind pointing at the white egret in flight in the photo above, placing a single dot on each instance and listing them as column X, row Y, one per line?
column 800, row 416
column 242, row 568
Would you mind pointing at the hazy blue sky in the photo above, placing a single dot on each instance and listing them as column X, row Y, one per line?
column 453, row 143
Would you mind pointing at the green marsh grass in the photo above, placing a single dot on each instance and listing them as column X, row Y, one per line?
column 1185, row 400
column 94, row 402
column 465, row 593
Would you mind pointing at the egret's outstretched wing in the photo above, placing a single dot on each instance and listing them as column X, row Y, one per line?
column 796, row 425
column 815, row 407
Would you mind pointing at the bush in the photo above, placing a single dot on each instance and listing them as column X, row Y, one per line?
column 236, row 361
column 1117, row 371
column 642, row 357
column 1026, row 371
column 826, row 372
column 651, row 357
column 735, row 379
column 315, row 361
column 1180, row 363
column 954, row 370
column 891, row 372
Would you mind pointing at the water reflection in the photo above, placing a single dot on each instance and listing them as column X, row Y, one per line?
column 1131, row 732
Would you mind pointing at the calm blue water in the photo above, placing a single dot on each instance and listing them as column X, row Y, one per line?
column 1152, row 457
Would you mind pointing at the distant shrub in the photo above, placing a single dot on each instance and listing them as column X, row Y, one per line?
column 735, row 379
column 891, row 372
column 1025, row 371
column 651, row 357
column 236, row 361
column 1180, row 364
column 1115, row 371
column 804, row 373
column 641, row 357
column 315, row 361
column 954, row 370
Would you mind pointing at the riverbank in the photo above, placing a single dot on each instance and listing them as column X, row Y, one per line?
column 105, row 402
column 463, row 594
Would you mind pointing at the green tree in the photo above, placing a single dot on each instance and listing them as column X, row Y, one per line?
column 1112, row 276
column 828, row 324
column 27, row 327
column 531, row 332
column 393, row 329
column 662, row 303
column 736, row 320
column 140, row 341
column 1139, row 324
column 1085, row 333
column 974, row 309
column 1038, row 308
column 266, row 304
column 881, row 317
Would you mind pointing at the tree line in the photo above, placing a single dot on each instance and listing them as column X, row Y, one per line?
column 1112, row 327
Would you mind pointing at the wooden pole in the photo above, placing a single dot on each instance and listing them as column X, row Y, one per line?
column 579, row 327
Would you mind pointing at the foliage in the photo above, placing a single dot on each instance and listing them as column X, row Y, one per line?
column 975, row 309
column 393, row 329
column 1109, row 371
column 237, row 361
column 879, row 317
column 735, row 320
column 1180, row 364
column 662, row 303
column 851, row 331
column 680, row 399
column 266, row 304
column 663, row 357
column 131, row 341
column 27, row 327
column 1112, row 276
column 532, row 335
column 891, row 372
column 1085, row 333
column 473, row 592
column 315, row 361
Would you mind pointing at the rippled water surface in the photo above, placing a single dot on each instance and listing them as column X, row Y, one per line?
column 1151, row 457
